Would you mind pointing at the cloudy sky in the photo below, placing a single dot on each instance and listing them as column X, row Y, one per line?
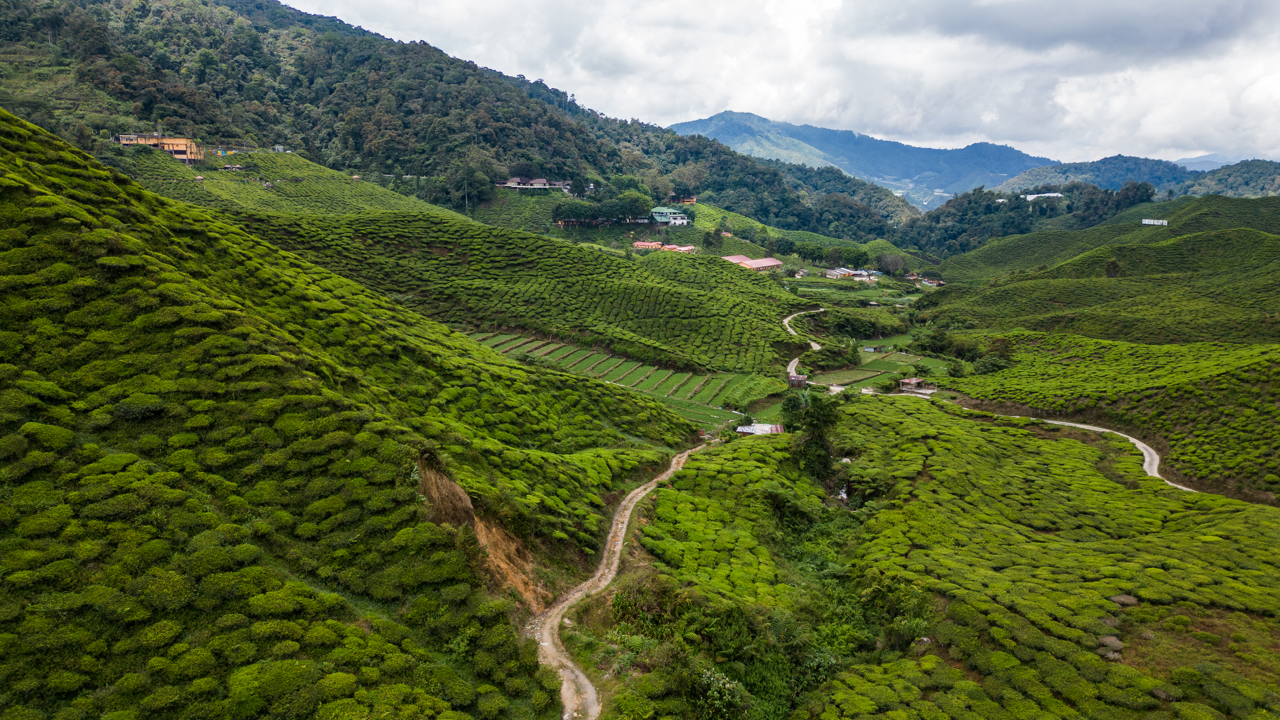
column 1072, row 81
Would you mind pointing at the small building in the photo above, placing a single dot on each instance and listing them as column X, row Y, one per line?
column 797, row 382
column 645, row 245
column 1149, row 221
column 736, row 259
column 840, row 272
column 278, row 148
column 762, row 265
column 1029, row 198
column 915, row 385
column 760, row 429
column 355, row 178
column 184, row 149
column 669, row 216
column 688, row 249
column 802, row 273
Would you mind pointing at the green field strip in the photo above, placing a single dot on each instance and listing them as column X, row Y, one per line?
column 844, row 377
column 900, row 357
column 619, row 371
column 649, row 370
column 734, row 381
column 499, row 339
column 932, row 362
column 875, row 380
column 526, row 343
column 480, row 336
column 711, row 388
column 688, row 391
column 561, row 353
column 671, row 383
column 586, row 361
column 882, row 365
column 568, row 361
column 635, row 374
column 654, row 380
column 547, row 349
column 588, row 367
column 536, row 347
column 606, row 367
column 508, row 344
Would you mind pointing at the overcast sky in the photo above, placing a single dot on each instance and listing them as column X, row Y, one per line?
column 1072, row 81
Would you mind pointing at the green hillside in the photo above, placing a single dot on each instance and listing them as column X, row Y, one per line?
column 1212, row 409
column 1219, row 285
column 972, row 579
column 213, row 463
column 475, row 276
column 269, row 182
column 1110, row 173
column 1251, row 178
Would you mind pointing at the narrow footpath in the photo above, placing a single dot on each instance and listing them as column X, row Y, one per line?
column 786, row 323
column 577, row 694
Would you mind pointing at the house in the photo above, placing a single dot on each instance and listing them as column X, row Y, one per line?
column 521, row 183
column 669, row 216
column 1148, row 221
column 760, row 429
column 916, row 385
column 762, row 265
column 802, row 273
column 736, row 259
column 1029, row 198
column 797, row 382
column 184, row 149
column 277, row 148
column 839, row 273
column 643, row 245
column 688, row 249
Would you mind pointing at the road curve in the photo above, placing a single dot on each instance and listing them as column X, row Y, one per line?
column 1150, row 458
column 577, row 694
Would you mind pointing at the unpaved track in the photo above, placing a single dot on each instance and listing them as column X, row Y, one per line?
column 577, row 694
column 1150, row 458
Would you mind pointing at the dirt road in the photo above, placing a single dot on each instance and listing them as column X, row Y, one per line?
column 577, row 694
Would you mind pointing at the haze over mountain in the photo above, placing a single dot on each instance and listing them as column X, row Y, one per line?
column 927, row 177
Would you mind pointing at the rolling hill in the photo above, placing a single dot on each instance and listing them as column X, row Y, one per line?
column 1246, row 179
column 926, row 176
column 214, row 457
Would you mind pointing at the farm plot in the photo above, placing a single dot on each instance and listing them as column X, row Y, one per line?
column 621, row 370
column 844, row 377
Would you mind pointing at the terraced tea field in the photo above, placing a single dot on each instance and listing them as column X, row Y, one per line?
column 698, row 397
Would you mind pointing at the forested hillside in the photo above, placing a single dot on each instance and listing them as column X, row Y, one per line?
column 213, row 461
column 1251, row 178
column 240, row 73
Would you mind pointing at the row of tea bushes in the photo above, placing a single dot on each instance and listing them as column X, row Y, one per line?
column 211, row 499
column 1213, row 406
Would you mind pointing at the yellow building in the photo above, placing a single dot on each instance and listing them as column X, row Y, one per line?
column 184, row 149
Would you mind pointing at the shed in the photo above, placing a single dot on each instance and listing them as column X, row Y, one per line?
column 797, row 381
column 760, row 429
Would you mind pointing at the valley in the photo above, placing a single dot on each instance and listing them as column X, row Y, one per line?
column 342, row 425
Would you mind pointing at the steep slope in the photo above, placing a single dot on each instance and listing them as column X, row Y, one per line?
column 928, row 176
column 213, row 459
column 1251, row 178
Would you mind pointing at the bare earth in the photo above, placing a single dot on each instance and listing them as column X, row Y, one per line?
column 577, row 694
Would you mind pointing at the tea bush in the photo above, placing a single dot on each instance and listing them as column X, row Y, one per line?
column 210, row 501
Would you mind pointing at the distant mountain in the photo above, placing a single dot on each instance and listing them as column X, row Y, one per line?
column 1212, row 161
column 1110, row 173
column 925, row 176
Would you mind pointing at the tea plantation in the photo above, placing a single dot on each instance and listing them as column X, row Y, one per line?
column 268, row 182
column 472, row 275
column 1212, row 408
column 213, row 456
column 1217, row 285
column 1046, row 574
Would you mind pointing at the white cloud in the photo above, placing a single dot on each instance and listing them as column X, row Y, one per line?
column 1072, row 81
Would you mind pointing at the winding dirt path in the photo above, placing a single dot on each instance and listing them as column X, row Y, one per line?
column 1150, row 458
column 577, row 694
column 786, row 323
